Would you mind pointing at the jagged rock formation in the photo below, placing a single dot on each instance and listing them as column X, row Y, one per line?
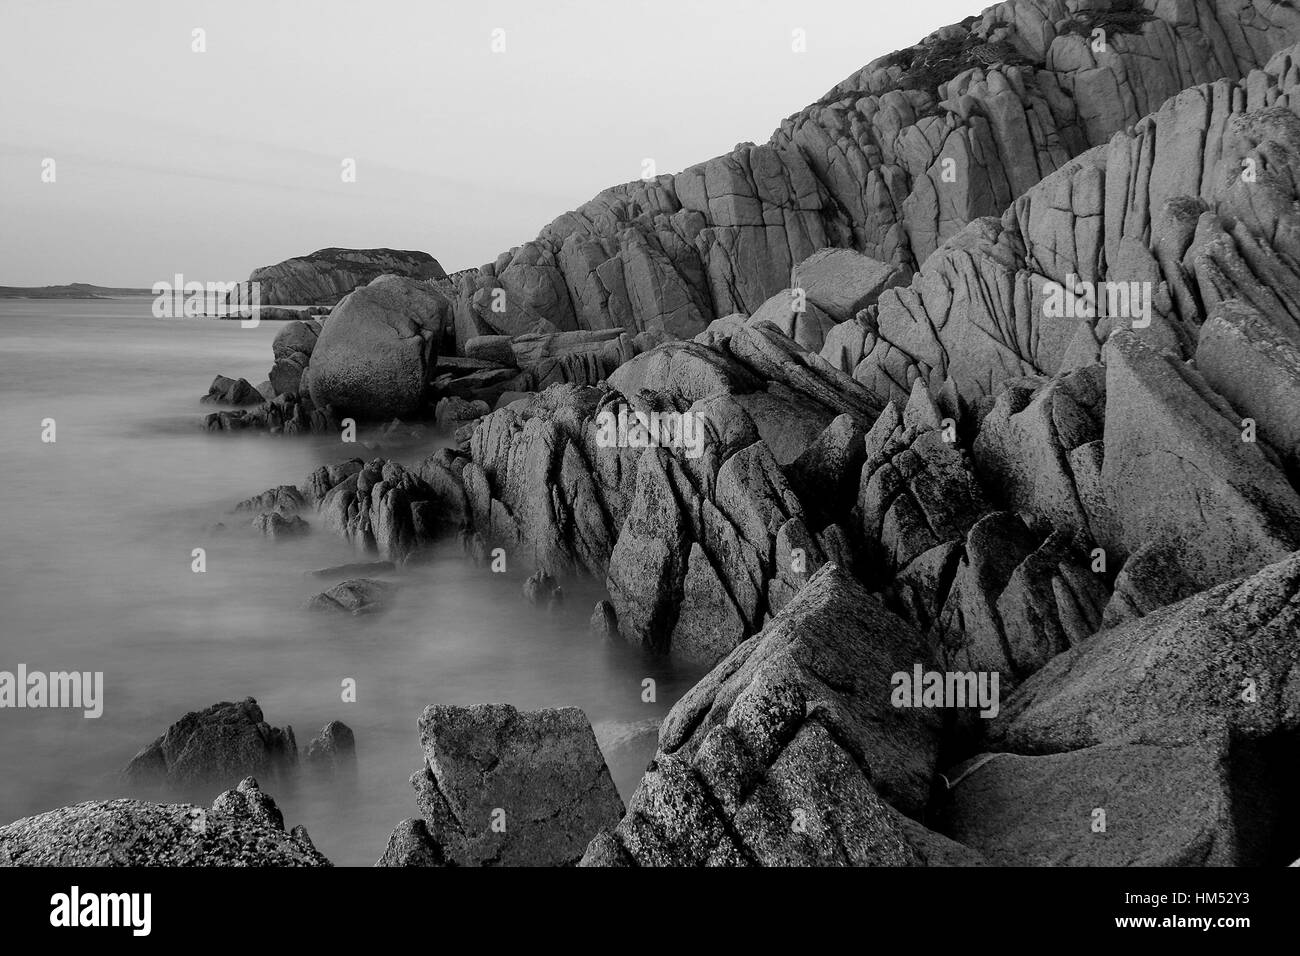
column 226, row 740
column 893, row 162
column 244, row 827
column 1040, row 419
column 782, row 755
column 327, row 275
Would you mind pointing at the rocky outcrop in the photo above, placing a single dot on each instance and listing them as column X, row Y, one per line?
column 225, row 741
column 333, row 748
column 790, row 752
column 243, row 828
column 892, row 163
column 501, row 787
column 1224, row 658
column 229, row 391
column 327, row 275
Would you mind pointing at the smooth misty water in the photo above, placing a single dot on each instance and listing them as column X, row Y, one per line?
column 96, row 535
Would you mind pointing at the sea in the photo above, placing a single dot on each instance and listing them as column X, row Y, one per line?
column 98, row 533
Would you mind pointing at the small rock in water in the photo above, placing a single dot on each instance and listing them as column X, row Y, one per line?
column 604, row 622
column 357, row 596
column 225, row 741
column 229, row 391
column 276, row 526
column 542, row 588
column 335, row 746
column 285, row 499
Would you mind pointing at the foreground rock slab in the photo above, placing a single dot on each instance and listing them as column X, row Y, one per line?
column 1133, row 804
column 503, row 787
column 243, row 828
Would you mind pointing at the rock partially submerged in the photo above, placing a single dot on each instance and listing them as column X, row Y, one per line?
column 333, row 748
column 225, row 741
column 355, row 596
column 243, row 828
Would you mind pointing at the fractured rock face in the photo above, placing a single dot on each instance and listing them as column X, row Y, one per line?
column 503, row 787
column 918, row 490
column 382, row 508
column 1227, row 656
column 1256, row 367
column 1176, row 468
column 787, row 751
column 226, row 740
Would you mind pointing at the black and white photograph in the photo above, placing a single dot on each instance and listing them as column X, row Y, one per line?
column 651, row 434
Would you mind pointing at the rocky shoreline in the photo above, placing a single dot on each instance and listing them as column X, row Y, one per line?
column 982, row 506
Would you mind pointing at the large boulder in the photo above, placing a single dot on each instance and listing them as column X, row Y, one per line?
column 503, row 787
column 227, row 740
column 375, row 352
column 243, row 828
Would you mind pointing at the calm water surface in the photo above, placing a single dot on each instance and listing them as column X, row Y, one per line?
column 97, row 532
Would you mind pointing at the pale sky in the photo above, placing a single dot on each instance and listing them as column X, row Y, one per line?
column 209, row 164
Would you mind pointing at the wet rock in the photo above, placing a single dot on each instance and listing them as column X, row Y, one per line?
column 226, row 740
column 243, row 828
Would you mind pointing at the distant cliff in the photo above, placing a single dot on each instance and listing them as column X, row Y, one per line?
column 327, row 275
